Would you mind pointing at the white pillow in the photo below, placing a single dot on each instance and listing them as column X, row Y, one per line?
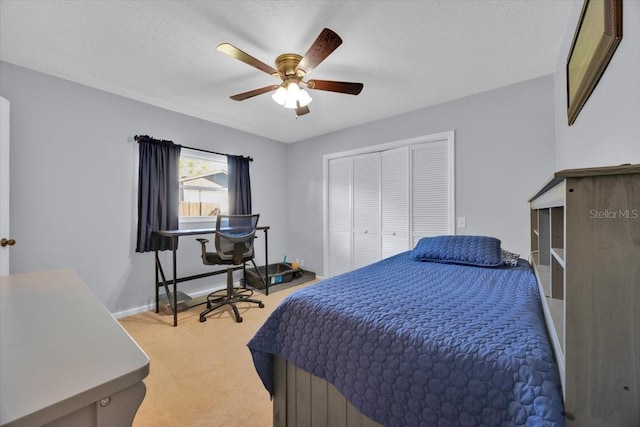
column 509, row 258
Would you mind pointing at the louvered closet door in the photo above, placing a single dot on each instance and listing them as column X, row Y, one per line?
column 339, row 210
column 366, row 209
column 430, row 190
column 395, row 201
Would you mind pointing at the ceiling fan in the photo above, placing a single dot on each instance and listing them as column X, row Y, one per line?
column 291, row 69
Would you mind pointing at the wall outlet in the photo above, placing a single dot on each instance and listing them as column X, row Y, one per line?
column 301, row 263
column 462, row 222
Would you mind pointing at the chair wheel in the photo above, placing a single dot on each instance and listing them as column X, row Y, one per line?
column 261, row 305
column 203, row 319
column 239, row 320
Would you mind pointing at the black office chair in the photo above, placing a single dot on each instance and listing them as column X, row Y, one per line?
column 234, row 247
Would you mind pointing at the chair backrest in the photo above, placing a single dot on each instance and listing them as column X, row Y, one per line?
column 234, row 237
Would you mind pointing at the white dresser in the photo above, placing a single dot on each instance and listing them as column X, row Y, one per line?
column 65, row 360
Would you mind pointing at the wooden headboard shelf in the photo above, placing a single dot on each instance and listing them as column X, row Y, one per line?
column 585, row 244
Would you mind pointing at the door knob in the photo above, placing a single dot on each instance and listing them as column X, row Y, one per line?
column 7, row 242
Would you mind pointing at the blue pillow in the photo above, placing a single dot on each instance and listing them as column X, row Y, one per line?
column 480, row 251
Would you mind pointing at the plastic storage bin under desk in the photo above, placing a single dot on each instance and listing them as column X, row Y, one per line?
column 278, row 273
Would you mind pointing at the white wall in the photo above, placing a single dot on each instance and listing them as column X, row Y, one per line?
column 74, row 184
column 504, row 154
column 607, row 130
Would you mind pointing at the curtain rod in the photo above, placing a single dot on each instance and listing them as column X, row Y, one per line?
column 137, row 137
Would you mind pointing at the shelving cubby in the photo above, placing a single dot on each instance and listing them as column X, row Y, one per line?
column 585, row 245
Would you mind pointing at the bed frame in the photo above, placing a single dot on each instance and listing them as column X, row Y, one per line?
column 302, row 399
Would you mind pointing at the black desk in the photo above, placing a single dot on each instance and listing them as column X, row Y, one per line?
column 160, row 276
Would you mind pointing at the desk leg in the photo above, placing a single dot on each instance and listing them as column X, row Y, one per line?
column 167, row 292
column 266, row 260
column 156, row 284
column 174, row 243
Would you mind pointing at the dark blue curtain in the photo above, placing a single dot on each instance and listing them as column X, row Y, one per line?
column 158, row 186
column 239, row 185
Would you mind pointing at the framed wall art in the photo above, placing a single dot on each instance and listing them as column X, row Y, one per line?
column 596, row 38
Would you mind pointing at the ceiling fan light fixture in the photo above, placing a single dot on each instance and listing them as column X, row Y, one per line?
column 304, row 98
column 280, row 95
column 292, row 97
column 292, row 94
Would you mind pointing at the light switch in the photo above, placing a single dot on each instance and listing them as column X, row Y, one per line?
column 462, row 222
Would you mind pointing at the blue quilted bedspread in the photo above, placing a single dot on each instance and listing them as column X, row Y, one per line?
column 412, row 343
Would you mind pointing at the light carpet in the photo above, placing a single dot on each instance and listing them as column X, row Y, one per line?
column 201, row 374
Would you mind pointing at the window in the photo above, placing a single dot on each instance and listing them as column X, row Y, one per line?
column 203, row 186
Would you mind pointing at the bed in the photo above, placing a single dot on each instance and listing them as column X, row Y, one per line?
column 441, row 335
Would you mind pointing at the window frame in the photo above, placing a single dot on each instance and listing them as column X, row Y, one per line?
column 200, row 155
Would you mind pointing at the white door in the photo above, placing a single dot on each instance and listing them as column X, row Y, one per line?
column 7, row 242
column 381, row 202
column 339, row 210
column 395, row 201
column 366, row 209
column 431, row 190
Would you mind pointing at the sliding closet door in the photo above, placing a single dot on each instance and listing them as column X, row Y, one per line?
column 366, row 209
column 381, row 201
column 395, row 201
column 339, row 215
column 431, row 190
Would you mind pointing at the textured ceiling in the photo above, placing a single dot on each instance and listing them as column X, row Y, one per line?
column 408, row 54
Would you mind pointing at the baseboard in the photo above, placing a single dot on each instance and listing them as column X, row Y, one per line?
column 152, row 305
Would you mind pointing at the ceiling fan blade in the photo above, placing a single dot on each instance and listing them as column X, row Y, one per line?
column 236, row 53
column 332, row 86
column 252, row 93
column 326, row 43
column 301, row 111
